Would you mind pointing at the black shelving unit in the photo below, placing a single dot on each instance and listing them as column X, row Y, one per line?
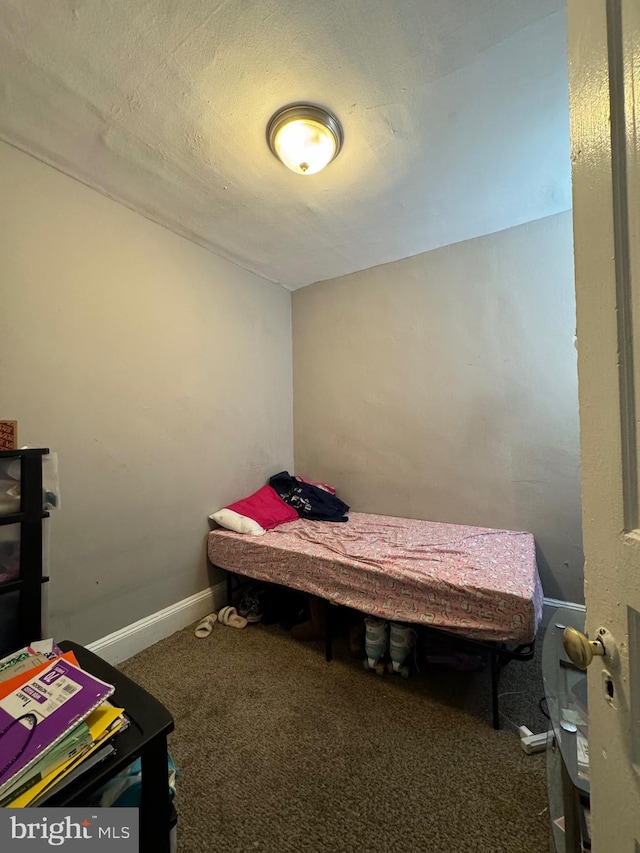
column 28, row 584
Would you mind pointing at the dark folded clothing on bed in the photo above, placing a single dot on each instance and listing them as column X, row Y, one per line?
column 309, row 501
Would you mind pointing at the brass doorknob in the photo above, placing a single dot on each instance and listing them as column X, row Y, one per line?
column 579, row 648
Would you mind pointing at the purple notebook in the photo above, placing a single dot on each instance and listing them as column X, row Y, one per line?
column 42, row 711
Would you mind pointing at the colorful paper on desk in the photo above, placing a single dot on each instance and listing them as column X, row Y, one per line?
column 50, row 760
column 45, row 647
column 103, row 723
column 13, row 658
column 48, row 648
column 26, row 665
column 89, row 761
column 11, row 684
column 59, row 697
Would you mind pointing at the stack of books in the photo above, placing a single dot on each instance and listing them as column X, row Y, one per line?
column 55, row 723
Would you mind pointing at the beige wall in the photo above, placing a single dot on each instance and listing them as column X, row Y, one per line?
column 160, row 374
column 444, row 387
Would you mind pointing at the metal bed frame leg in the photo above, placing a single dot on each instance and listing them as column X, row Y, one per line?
column 229, row 587
column 328, row 650
column 495, row 682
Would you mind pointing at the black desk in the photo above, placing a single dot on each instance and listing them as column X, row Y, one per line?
column 145, row 738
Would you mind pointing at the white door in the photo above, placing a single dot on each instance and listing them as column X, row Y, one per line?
column 604, row 71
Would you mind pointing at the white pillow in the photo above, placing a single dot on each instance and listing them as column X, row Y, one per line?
column 238, row 523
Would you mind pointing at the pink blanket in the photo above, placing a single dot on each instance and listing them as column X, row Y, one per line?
column 478, row 582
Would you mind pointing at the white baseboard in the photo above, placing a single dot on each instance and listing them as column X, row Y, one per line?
column 132, row 639
column 568, row 605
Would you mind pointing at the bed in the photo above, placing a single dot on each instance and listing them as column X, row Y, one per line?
column 478, row 583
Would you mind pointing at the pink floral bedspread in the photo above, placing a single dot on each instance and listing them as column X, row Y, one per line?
column 475, row 581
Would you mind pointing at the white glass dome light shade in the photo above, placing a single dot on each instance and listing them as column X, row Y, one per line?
column 305, row 138
column 304, row 146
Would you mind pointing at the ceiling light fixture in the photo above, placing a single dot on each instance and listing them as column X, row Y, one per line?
column 304, row 137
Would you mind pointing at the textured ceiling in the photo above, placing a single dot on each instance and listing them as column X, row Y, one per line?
column 455, row 115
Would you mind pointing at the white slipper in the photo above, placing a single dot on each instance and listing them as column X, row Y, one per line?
column 205, row 626
column 229, row 616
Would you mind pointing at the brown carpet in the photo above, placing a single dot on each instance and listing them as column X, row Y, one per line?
column 280, row 752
